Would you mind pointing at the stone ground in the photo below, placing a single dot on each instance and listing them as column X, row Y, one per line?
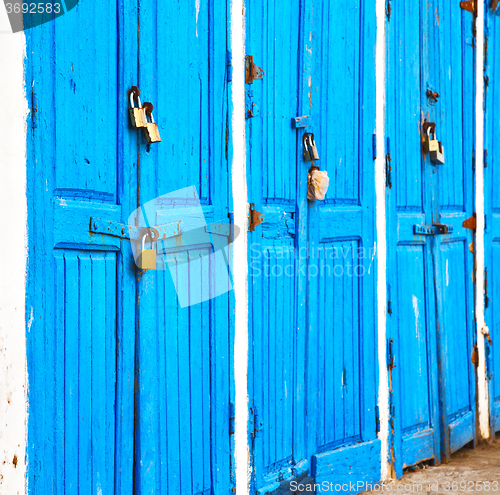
column 469, row 471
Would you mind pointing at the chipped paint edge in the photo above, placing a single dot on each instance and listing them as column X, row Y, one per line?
column 240, row 269
column 383, row 387
column 482, row 382
column 13, row 368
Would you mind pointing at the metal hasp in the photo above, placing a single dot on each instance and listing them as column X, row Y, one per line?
column 255, row 217
column 434, row 229
column 470, row 223
column 301, row 122
column 469, row 5
column 123, row 231
column 252, row 71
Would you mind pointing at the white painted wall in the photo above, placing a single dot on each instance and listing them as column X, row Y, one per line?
column 479, row 248
column 383, row 390
column 13, row 376
column 240, row 269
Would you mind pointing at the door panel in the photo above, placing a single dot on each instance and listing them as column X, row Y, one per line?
column 276, row 370
column 184, row 334
column 453, row 72
column 79, row 289
column 430, row 293
column 492, row 210
column 341, row 334
column 411, row 314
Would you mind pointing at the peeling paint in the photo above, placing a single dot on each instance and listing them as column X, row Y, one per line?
column 416, row 312
column 197, row 14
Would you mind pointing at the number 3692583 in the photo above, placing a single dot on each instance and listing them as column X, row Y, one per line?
column 33, row 8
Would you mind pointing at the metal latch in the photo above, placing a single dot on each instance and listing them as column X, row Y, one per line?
column 252, row 71
column 115, row 229
column 254, row 218
column 434, row 229
column 300, row 122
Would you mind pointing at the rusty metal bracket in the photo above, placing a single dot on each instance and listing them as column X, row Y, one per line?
column 252, row 71
column 432, row 95
column 255, row 218
column 470, row 223
column 475, row 356
column 469, row 5
column 434, row 229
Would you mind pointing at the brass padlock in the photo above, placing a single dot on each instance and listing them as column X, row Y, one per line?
column 137, row 114
column 151, row 131
column 146, row 258
column 437, row 156
column 431, row 143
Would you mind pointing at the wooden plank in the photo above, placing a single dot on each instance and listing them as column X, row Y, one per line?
column 353, row 464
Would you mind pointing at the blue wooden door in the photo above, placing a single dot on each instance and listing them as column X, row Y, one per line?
column 81, row 285
column 184, row 349
column 341, row 331
column 276, row 285
column 430, row 285
column 130, row 392
column 312, row 401
column 492, row 211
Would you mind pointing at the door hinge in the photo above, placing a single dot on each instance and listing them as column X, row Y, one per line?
column 254, row 217
column 231, row 418
column 374, row 146
column 251, row 109
column 377, row 419
column 434, row 229
column 389, row 300
column 229, row 66
column 254, row 425
column 390, row 355
column 470, row 223
column 252, row 71
column 486, row 299
column 388, row 166
column 469, row 5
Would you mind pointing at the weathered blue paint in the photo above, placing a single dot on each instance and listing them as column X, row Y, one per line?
column 492, row 210
column 312, row 363
column 128, row 393
column 431, row 316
